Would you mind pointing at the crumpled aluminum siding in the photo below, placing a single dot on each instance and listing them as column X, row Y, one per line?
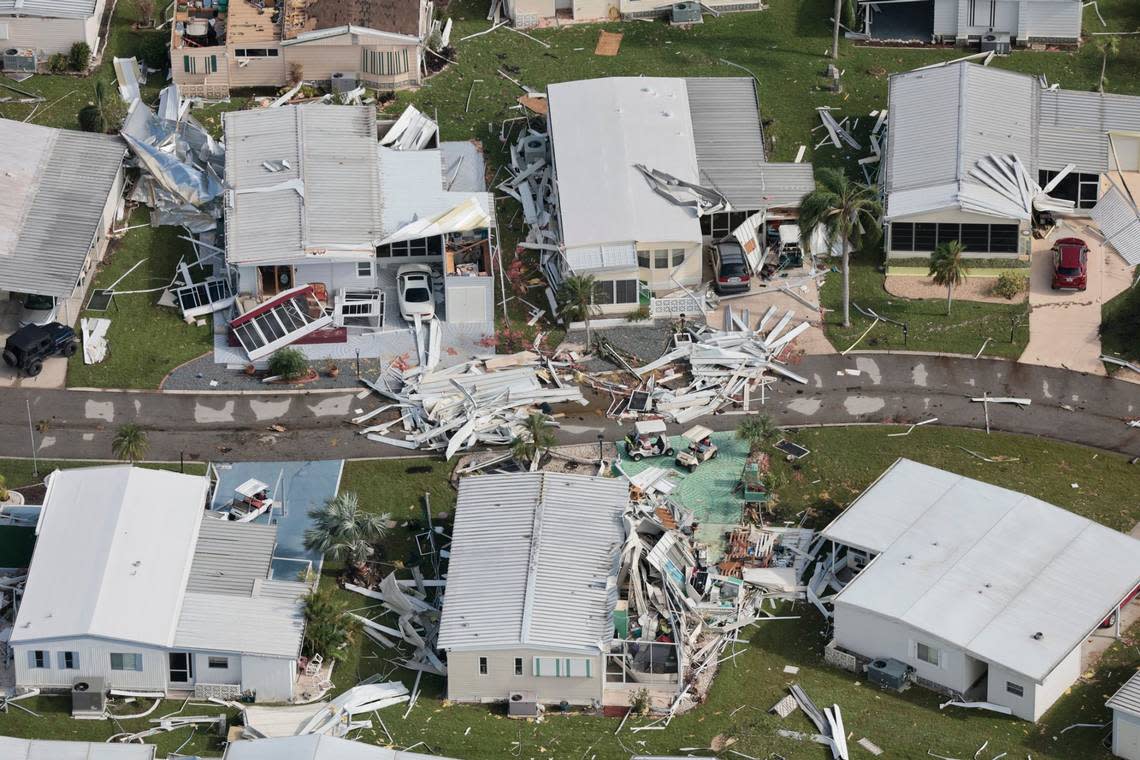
column 1119, row 223
column 532, row 556
column 62, row 216
column 1072, row 127
column 1127, row 698
column 48, row 8
column 231, row 557
column 12, row 748
column 331, row 150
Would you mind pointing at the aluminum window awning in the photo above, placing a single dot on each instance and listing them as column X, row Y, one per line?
column 276, row 323
column 201, row 298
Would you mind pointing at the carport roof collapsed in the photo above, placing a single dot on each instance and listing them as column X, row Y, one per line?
column 534, row 561
column 55, row 185
column 302, row 184
column 983, row 568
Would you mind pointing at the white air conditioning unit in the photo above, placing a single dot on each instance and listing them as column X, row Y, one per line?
column 20, row 60
column 996, row 42
column 522, row 704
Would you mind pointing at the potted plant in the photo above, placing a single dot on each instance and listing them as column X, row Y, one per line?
column 250, row 370
column 331, row 369
column 7, row 497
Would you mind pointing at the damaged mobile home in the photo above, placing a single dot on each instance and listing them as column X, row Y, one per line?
column 136, row 586
column 1004, row 149
column 633, row 175
column 976, row 591
column 993, row 24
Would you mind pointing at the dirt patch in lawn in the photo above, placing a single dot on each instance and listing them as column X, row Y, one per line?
column 973, row 289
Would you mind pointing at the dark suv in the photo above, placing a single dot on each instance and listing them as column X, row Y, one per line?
column 732, row 275
column 27, row 348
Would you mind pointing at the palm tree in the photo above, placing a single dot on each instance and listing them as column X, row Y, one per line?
column 344, row 531
column 130, row 442
column 576, row 297
column 535, row 439
column 844, row 209
column 947, row 267
column 835, row 37
column 1108, row 47
column 755, row 430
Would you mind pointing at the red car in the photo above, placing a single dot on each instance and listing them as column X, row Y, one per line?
column 1070, row 264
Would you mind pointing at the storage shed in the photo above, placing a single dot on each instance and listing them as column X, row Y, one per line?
column 1125, row 706
column 985, row 592
column 50, row 26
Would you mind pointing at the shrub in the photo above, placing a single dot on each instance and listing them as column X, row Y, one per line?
column 91, row 119
column 145, row 10
column 329, row 628
column 79, row 56
column 1008, row 285
column 640, row 314
column 289, row 363
column 57, row 63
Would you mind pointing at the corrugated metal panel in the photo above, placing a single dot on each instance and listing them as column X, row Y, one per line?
column 922, row 142
column 945, row 18
column 1008, row 565
column 331, row 151
column 594, row 257
column 784, row 184
column 1127, row 698
column 1049, row 19
column 48, row 8
column 55, row 187
column 317, row 747
column 997, row 116
column 1073, row 127
column 1118, row 222
column 114, row 550
column 43, row 749
column 534, row 558
column 261, row 625
column 728, row 138
column 230, row 556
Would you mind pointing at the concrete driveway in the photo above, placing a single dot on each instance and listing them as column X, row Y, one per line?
column 54, row 374
column 1064, row 324
column 760, row 298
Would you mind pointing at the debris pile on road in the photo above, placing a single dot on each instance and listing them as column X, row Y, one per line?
column 482, row 401
column 724, row 366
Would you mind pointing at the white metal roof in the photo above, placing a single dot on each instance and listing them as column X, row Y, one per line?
column 113, row 555
column 54, row 186
column 264, row 624
column 534, row 561
column 1073, row 127
column 316, row 747
column 230, row 557
column 324, row 205
column 1127, row 698
column 984, row 568
column 411, row 188
column 12, row 748
column 48, row 8
column 602, row 128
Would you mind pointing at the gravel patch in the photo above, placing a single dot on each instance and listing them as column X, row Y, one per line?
column 203, row 374
column 973, row 289
column 645, row 342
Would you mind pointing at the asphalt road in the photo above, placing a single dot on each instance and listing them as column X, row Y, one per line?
column 1066, row 405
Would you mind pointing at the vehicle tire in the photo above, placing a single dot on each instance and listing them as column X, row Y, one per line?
column 669, row 452
column 35, row 367
column 69, row 349
column 10, row 358
column 637, row 456
column 713, row 455
column 692, row 469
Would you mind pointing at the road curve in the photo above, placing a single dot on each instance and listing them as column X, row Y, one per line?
column 1066, row 405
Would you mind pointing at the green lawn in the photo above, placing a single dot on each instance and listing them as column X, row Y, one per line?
column 145, row 340
column 929, row 328
column 1120, row 325
column 845, row 461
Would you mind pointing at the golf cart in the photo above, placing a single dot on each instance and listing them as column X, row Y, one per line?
column 641, row 442
column 27, row 348
column 251, row 500
column 701, row 448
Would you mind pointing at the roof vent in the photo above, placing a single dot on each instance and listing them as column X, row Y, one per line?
column 1038, row 636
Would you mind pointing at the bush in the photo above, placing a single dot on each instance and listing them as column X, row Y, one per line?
column 91, row 119
column 1009, row 285
column 640, row 314
column 1120, row 326
column 289, row 363
column 151, row 50
column 57, row 63
column 79, row 56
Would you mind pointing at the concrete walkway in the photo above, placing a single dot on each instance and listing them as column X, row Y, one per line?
column 1071, row 406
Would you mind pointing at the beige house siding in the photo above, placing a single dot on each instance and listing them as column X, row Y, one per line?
column 466, row 684
column 45, row 35
column 266, row 71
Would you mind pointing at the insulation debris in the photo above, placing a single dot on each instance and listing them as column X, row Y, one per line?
column 482, row 401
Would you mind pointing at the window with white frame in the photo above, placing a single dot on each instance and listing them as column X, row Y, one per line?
column 483, row 667
column 69, row 660
column 678, row 257
column 126, row 661
column 218, row 663
column 419, row 247
column 643, row 259
column 1079, row 187
column 364, row 269
column 256, row 53
column 1015, row 689
column 927, row 653
column 518, row 666
column 607, row 292
column 38, row 659
column 721, row 224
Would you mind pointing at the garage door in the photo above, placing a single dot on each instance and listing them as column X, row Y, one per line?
column 469, row 302
column 1127, row 152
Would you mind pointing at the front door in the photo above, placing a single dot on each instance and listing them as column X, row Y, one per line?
column 275, row 279
column 181, row 668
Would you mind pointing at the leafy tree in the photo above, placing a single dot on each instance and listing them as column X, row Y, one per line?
column 130, row 443
column 79, row 56
column 289, row 363
column 756, row 429
column 576, row 298
column 845, row 209
column 344, row 531
column 948, row 268
column 536, row 438
column 329, row 628
column 1108, row 47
